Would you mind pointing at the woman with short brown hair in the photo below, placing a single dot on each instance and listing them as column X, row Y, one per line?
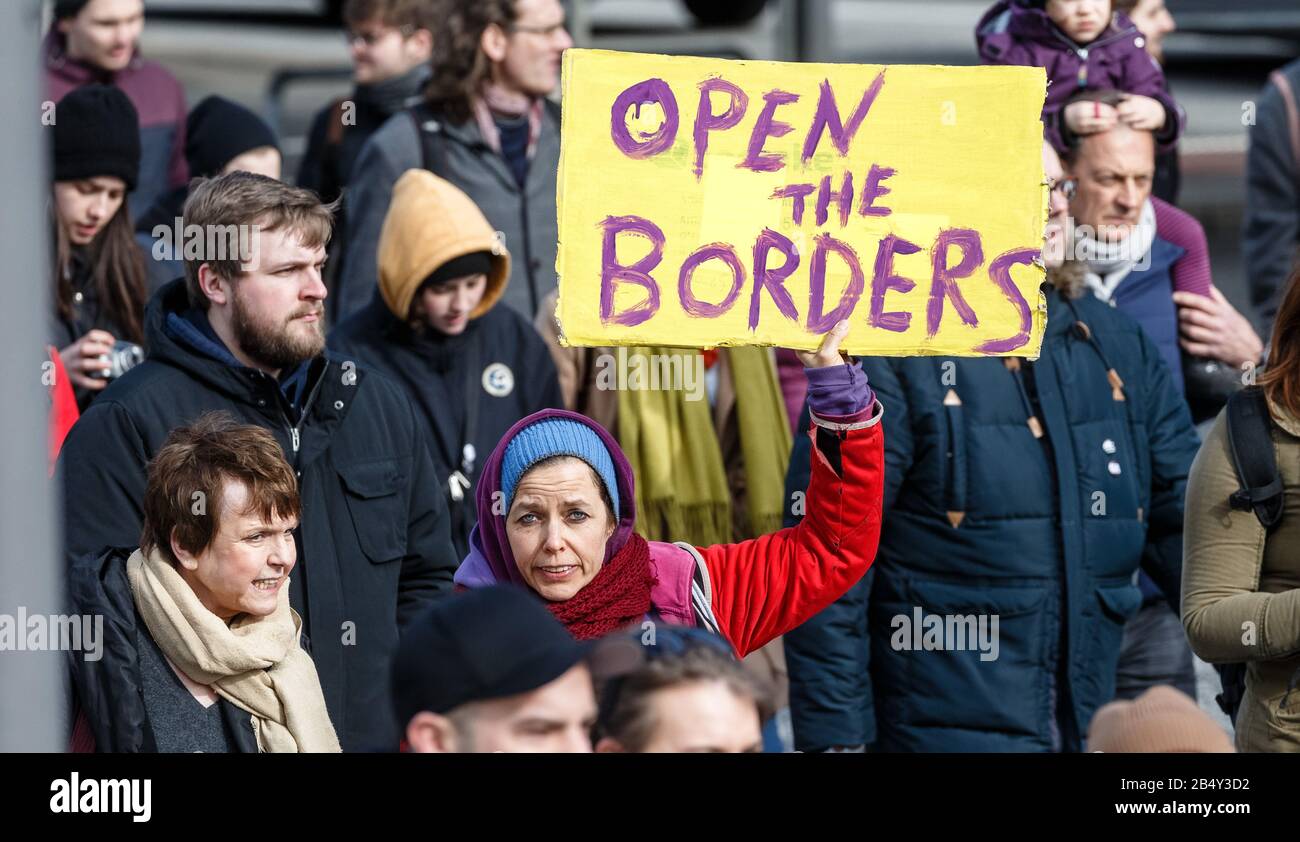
column 201, row 651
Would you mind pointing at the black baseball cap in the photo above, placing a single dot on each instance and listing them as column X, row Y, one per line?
column 490, row 643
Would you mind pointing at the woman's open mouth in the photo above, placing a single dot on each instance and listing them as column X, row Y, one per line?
column 268, row 584
column 557, row 572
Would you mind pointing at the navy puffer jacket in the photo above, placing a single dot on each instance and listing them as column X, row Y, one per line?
column 983, row 518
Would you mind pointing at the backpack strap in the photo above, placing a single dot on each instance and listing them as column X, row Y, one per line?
column 1278, row 78
column 701, row 591
column 1250, row 438
column 433, row 152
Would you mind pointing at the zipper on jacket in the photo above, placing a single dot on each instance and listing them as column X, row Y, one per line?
column 295, row 430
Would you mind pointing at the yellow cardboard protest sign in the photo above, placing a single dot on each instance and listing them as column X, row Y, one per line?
column 706, row 202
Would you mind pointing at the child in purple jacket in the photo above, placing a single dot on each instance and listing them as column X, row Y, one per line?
column 1082, row 44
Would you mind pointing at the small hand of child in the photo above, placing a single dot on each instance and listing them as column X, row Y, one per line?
column 1090, row 117
column 1142, row 113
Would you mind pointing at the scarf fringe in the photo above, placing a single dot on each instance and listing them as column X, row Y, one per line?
column 700, row 524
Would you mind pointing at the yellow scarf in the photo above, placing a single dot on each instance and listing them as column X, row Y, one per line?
column 672, row 445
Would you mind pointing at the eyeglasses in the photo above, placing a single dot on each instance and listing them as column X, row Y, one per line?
column 370, row 39
column 545, row 31
column 1067, row 187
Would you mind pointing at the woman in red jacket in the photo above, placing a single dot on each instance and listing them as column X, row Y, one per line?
column 549, row 495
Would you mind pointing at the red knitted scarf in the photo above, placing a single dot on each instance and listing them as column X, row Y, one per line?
column 618, row 596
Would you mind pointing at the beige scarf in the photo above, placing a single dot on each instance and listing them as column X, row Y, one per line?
column 254, row 663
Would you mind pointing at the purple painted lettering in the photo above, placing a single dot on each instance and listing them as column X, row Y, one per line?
column 765, row 127
column 714, row 251
column 943, row 281
column 872, row 190
column 828, row 118
column 706, row 121
column 843, row 199
column 773, row 280
column 649, row 143
column 883, row 280
column 817, row 322
column 612, row 272
column 1000, row 272
column 796, row 192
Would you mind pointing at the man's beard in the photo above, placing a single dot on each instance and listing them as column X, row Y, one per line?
column 274, row 346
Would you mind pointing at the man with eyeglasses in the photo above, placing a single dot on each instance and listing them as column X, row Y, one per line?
column 485, row 125
column 1131, row 249
column 391, row 42
column 1135, row 250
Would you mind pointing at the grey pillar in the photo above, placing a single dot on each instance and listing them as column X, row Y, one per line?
column 30, row 567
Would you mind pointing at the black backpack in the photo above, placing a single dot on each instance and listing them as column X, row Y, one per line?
column 1250, row 438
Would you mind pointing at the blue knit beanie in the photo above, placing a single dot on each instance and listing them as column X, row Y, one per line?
column 556, row 437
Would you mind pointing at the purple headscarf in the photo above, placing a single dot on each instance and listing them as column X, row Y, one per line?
column 490, row 560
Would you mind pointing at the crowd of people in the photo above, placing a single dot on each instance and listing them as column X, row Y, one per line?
column 337, row 486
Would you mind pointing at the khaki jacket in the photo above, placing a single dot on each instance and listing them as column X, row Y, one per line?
column 1241, row 585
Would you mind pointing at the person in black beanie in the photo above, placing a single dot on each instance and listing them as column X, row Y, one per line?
column 221, row 136
column 98, row 42
column 490, row 670
column 99, row 272
column 224, row 136
column 470, row 367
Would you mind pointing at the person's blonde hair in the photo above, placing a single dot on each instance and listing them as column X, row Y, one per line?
column 231, row 205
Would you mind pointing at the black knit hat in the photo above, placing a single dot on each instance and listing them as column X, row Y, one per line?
column 490, row 643
column 96, row 133
column 474, row 263
column 218, row 131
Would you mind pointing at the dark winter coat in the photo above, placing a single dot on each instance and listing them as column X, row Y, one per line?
column 526, row 216
column 982, row 518
column 1271, row 223
column 469, row 389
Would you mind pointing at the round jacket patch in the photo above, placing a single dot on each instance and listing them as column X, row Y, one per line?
column 498, row 380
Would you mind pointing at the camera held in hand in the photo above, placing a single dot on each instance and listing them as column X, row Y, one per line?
column 124, row 357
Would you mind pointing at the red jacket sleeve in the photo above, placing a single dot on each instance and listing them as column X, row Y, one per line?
column 63, row 406
column 766, row 586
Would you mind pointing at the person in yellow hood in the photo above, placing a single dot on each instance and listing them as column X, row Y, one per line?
column 473, row 369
